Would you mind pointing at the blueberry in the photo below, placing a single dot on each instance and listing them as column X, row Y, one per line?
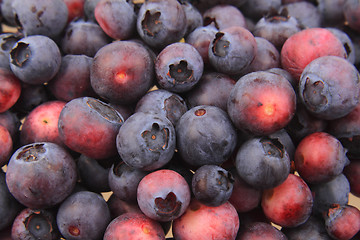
column 200, row 141
column 73, row 78
column 83, row 215
column 223, row 16
column 307, row 14
column 33, row 166
column 163, row 195
column 124, row 180
column 116, row 17
column 122, row 72
column 146, row 141
column 83, row 37
column 160, row 23
column 35, row 59
column 7, row 41
column 212, row 185
column 329, row 87
column 40, row 17
column 232, row 50
column 178, row 67
column 164, row 102
column 263, row 162
column 35, row 224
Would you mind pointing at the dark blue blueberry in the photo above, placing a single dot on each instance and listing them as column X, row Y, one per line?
column 32, row 167
column 124, row 180
column 146, row 141
column 194, row 18
column 178, row 67
column 263, row 162
column 83, row 37
column 256, row 9
column 205, row 135
column 35, row 59
column 83, row 215
column 164, row 102
column 212, row 185
column 40, row 17
column 160, row 23
column 335, row 191
column 276, row 27
column 232, row 50
column 329, row 87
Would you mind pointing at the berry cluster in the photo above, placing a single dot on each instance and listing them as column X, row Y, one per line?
column 179, row 119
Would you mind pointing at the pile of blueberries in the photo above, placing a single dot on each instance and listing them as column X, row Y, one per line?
column 179, row 119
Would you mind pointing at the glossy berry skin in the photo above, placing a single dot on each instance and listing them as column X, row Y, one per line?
column 41, row 17
column 223, row 16
column 89, row 126
column 122, row 72
column 83, row 37
column 276, row 27
column 35, row 224
column 335, row 191
column 212, row 89
column 124, row 180
column 33, row 166
column 212, row 185
column 289, row 204
column 94, row 173
column 116, row 17
column 164, row 102
column 342, row 221
column 160, row 23
column 232, row 50
column 73, row 78
column 263, row 162
column 261, row 103
column 83, row 215
column 35, row 59
column 308, row 44
column 199, row 141
column 320, row 157
column 196, row 222
column 129, row 226
column 163, row 195
column 146, row 141
column 329, row 87
column 259, row 231
column 178, row 67
column 9, row 206
column 243, row 197
column 41, row 124
column 10, row 89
